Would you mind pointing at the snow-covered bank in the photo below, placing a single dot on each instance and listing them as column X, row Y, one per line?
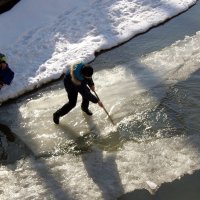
column 41, row 39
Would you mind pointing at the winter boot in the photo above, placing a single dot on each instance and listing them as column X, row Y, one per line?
column 56, row 118
column 87, row 111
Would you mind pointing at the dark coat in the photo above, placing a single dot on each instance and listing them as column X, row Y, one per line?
column 82, row 89
column 6, row 75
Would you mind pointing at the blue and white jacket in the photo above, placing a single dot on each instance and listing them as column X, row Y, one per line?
column 83, row 88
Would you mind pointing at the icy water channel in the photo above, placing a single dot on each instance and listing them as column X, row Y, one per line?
column 150, row 86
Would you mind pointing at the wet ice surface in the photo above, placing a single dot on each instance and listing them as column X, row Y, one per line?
column 155, row 106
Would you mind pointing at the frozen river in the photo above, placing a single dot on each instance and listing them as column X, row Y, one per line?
column 150, row 86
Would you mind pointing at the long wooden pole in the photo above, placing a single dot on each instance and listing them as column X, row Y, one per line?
column 104, row 109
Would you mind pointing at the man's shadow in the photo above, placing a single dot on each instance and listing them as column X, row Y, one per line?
column 101, row 165
column 75, row 144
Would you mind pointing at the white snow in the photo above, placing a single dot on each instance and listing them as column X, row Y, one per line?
column 41, row 38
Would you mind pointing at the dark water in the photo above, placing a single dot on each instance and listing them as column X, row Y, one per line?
column 183, row 189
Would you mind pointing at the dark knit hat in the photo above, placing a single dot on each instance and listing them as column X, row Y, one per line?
column 87, row 70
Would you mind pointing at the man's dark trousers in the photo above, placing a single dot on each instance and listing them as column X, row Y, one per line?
column 72, row 92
